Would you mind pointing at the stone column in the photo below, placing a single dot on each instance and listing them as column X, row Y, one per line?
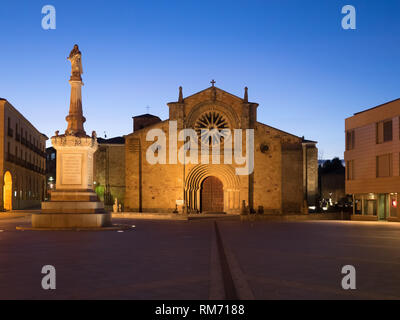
column 75, row 117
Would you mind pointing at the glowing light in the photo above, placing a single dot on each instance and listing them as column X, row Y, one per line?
column 394, row 203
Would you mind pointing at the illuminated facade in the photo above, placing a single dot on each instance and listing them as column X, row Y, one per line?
column 284, row 179
column 22, row 160
column 373, row 162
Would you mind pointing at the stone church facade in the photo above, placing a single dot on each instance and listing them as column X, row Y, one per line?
column 284, row 179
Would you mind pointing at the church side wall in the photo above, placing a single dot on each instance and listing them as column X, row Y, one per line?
column 132, row 185
column 292, row 178
column 312, row 175
column 267, row 173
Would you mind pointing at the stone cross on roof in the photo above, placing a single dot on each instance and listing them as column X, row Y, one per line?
column 212, row 82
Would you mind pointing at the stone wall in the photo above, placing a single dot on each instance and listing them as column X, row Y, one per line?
column 312, row 175
column 150, row 188
column 109, row 173
column 292, row 178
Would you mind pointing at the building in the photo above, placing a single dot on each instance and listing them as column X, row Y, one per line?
column 372, row 162
column 284, row 179
column 109, row 171
column 22, row 160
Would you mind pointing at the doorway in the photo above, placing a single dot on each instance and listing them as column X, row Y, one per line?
column 382, row 207
column 212, row 195
column 7, row 191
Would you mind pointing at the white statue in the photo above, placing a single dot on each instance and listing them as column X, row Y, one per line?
column 76, row 62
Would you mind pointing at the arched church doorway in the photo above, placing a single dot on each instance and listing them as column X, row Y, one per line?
column 7, row 191
column 212, row 195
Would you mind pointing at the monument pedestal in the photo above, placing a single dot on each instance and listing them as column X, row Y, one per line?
column 73, row 204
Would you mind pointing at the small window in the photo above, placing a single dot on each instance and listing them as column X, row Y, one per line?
column 350, row 140
column 384, row 131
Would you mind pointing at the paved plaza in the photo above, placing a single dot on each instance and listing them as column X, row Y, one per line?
column 177, row 260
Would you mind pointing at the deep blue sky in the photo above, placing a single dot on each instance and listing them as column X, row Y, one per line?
column 305, row 71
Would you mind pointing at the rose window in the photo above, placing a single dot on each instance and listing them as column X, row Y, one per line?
column 213, row 123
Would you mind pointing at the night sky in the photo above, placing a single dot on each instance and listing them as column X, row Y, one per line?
column 305, row 71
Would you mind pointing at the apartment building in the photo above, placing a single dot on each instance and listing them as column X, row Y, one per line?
column 22, row 160
column 372, row 159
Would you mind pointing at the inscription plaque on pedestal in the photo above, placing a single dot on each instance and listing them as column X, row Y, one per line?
column 71, row 168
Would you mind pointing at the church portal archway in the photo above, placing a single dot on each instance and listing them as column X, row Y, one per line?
column 7, row 191
column 226, row 176
column 212, row 195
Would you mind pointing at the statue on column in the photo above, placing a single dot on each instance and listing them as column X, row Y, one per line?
column 76, row 62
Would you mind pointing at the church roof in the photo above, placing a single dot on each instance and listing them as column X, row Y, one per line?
column 146, row 115
column 309, row 141
column 114, row 140
column 288, row 133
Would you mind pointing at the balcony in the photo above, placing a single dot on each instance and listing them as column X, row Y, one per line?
column 25, row 164
column 17, row 137
column 10, row 132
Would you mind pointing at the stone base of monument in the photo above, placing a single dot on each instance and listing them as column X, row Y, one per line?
column 71, row 220
column 72, row 209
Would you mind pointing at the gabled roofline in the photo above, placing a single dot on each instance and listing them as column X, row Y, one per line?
column 237, row 97
column 290, row 134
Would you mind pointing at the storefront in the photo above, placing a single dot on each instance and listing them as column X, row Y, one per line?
column 376, row 206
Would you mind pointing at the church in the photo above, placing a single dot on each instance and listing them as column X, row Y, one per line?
column 283, row 178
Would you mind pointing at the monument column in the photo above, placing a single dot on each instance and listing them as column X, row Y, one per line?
column 74, row 204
